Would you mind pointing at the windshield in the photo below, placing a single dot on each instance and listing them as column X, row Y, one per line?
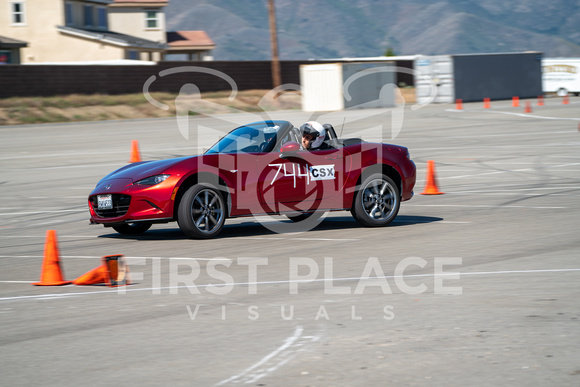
column 252, row 138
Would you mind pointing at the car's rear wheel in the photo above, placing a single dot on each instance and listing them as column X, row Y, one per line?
column 377, row 201
column 132, row 228
column 202, row 212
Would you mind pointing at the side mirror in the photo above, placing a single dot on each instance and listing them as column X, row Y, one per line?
column 289, row 149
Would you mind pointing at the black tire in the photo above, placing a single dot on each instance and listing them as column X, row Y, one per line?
column 304, row 216
column 132, row 228
column 377, row 201
column 202, row 212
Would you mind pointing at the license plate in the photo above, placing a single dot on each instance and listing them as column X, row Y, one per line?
column 105, row 202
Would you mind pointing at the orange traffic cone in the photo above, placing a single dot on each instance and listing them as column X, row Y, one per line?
column 135, row 156
column 565, row 100
column 118, row 270
column 486, row 103
column 96, row 276
column 458, row 104
column 431, row 183
column 113, row 272
column 540, row 100
column 515, row 101
column 51, row 274
column 528, row 108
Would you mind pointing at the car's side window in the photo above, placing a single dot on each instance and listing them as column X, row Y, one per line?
column 291, row 135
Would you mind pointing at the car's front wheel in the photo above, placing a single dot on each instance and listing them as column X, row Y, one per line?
column 132, row 228
column 202, row 212
column 377, row 201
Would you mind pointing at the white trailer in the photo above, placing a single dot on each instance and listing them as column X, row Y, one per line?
column 561, row 76
column 351, row 85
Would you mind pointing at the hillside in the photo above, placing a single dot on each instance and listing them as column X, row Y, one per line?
column 336, row 28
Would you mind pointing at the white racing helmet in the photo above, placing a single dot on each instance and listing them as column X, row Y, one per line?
column 316, row 130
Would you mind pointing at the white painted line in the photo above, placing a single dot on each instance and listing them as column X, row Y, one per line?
column 50, row 222
column 274, row 360
column 67, row 167
column 538, row 194
column 562, row 165
column 518, row 189
column 480, row 206
column 133, row 288
column 527, row 134
column 44, row 236
column 541, row 164
column 46, row 197
column 507, row 171
column 527, row 115
column 253, row 238
column 570, row 170
column 4, row 198
column 100, row 256
column 43, row 212
column 487, row 173
column 557, row 156
column 520, row 146
column 116, row 152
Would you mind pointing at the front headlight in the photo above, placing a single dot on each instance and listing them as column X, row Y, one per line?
column 152, row 180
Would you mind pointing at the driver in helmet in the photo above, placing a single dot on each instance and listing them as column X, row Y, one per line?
column 313, row 134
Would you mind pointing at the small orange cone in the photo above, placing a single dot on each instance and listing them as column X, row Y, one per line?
column 515, row 101
column 565, row 100
column 96, row 276
column 540, row 100
column 135, row 156
column 51, row 274
column 528, row 108
column 118, row 270
column 486, row 103
column 113, row 272
column 458, row 104
column 431, row 183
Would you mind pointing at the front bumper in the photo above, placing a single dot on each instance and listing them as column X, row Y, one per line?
column 132, row 203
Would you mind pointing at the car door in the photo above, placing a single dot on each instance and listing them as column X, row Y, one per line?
column 302, row 181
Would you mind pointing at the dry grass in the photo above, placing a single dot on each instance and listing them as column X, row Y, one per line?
column 74, row 108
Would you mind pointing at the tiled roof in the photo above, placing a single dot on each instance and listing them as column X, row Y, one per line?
column 114, row 38
column 141, row 2
column 7, row 42
column 187, row 39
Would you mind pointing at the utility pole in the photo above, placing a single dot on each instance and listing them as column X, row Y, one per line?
column 276, row 77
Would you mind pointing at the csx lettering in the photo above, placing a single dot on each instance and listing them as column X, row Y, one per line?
column 322, row 172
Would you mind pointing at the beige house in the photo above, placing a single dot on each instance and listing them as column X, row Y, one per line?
column 94, row 30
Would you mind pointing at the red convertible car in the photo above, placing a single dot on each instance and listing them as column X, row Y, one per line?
column 257, row 169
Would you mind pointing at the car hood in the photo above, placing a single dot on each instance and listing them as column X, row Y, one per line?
column 141, row 170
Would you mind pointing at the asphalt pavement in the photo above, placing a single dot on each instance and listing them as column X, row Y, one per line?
column 477, row 286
